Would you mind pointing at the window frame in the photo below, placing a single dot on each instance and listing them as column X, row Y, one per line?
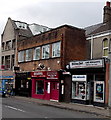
column 21, row 53
column 105, row 47
column 35, row 53
column 46, row 48
column 28, row 57
column 54, row 50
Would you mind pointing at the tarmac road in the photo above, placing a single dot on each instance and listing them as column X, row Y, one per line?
column 17, row 108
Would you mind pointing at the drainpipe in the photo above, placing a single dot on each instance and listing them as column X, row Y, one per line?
column 109, row 84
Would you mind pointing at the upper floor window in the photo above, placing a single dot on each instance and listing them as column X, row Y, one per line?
column 7, row 62
column 8, row 45
column 105, row 47
column 3, row 46
column 56, row 49
column 21, row 25
column 28, row 56
column 21, row 56
column 13, row 44
column 36, row 53
column 45, row 51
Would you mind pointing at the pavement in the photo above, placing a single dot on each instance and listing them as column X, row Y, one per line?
column 105, row 112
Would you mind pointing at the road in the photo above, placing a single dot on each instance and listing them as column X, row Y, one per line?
column 16, row 108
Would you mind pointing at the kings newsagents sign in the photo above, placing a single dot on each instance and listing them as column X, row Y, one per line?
column 87, row 64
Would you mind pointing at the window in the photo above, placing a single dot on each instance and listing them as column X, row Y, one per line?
column 45, row 51
column 99, row 91
column 13, row 61
column 105, row 47
column 21, row 56
column 56, row 49
column 3, row 46
column 7, row 62
column 37, row 53
column 8, row 45
column 13, row 44
column 40, row 87
column 79, row 90
column 28, row 55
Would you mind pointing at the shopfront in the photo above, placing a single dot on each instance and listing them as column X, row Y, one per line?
column 23, row 84
column 88, row 81
column 45, row 85
column 6, row 82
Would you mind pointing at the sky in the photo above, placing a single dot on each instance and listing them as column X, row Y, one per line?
column 52, row 13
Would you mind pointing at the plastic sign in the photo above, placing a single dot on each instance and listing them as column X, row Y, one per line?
column 78, row 77
column 87, row 64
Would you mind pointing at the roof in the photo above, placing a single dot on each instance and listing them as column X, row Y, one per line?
column 103, row 28
column 97, row 29
column 92, row 28
column 22, row 32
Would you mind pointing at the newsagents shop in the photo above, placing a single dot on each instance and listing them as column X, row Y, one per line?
column 88, row 82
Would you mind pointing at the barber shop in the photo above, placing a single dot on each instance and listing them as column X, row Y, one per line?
column 45, row 85
column 88, row 82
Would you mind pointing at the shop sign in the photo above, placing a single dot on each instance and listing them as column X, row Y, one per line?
column 38, row 74
column 6, row 77
column 87, row 64
column 78, row 77
column 52, row 75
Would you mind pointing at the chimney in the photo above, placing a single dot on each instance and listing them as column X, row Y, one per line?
column 107, row 12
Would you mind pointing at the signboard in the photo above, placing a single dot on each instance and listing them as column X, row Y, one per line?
column 52, row 75
column 6, row 77
column 78, row 77
column 47, row 74
column 38, row 74
column 87, row 64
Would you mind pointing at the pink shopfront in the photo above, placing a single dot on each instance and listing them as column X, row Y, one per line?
column 45, row 85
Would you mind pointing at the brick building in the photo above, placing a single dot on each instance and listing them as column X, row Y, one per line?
column 13, row 32
column 49, row 53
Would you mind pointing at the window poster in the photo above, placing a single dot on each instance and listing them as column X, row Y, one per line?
column 99, row 91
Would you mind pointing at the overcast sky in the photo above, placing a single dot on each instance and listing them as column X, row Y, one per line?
column 52, row 13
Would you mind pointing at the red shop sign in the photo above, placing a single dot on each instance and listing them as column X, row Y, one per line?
column 38, row 74
column 52, row 75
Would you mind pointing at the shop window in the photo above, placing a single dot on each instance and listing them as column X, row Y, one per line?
column 47, row 87
column 99, row 91
column 37, row 53
column 23, row 84
column 40, row 87
column 105, row 47
column 56, row 49
column 79, row 90
column 45, row 51
column 28, row 56
column 21, row 56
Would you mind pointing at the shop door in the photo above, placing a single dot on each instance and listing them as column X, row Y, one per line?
column 54, row 91
column 91, row 92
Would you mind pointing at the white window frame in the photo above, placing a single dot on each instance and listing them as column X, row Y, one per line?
column 55, row 48
column 105, row 48
column 45, row 48
column 28, row 57
column 21, row 56
column 35, row 54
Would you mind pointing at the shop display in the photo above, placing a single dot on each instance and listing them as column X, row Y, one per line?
column 99, row 91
